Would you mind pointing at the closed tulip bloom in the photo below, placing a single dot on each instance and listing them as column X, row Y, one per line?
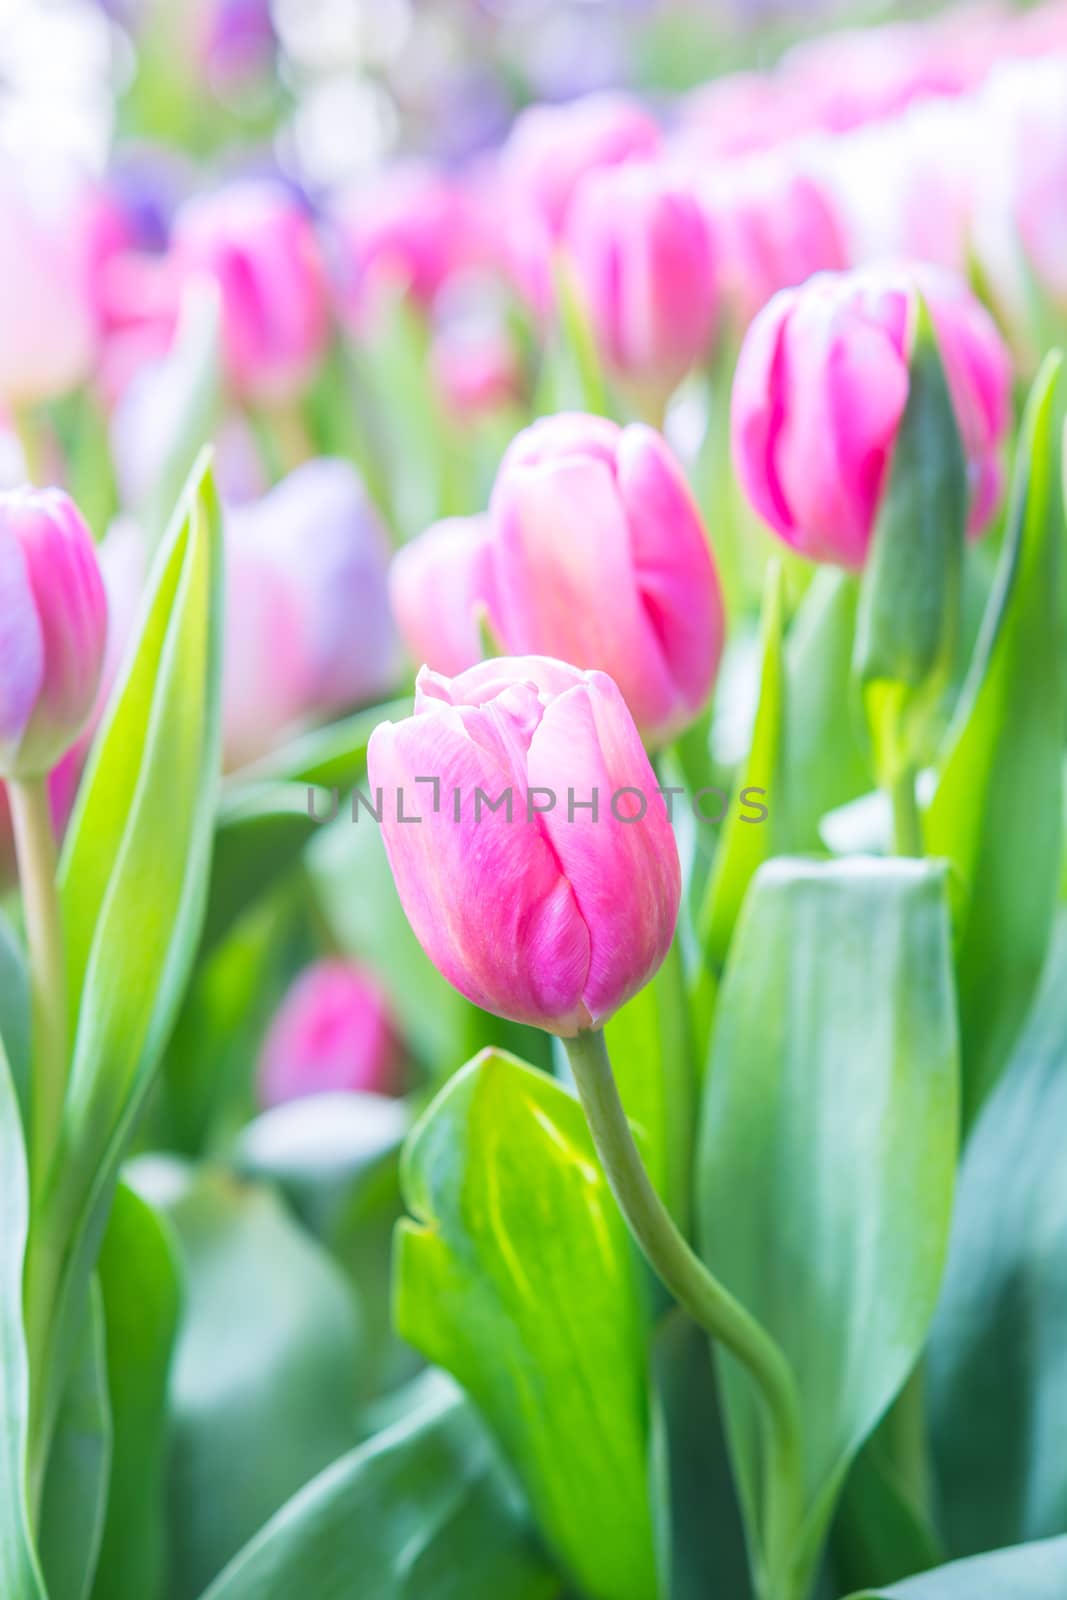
column 47, row 319
column 309, row 633
column 440, row 585
column 551, row 915
column 642, row 251
column 53, row 629
column 820, row 389
column 256, row 243
column 600, row 558
column 551, row 148
column 332, row 1032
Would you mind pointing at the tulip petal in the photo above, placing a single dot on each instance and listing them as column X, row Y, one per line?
column 21, row 644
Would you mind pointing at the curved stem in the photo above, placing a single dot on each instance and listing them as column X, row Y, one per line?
column 35, row 847
column 707, row 1301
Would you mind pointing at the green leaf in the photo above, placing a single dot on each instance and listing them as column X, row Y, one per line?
column 998, row 1360
column 422, row 1510
column 907, row 626
column 827, row 1150
column 334, row 757
column 14, row 1010
column 878, row 1535
column 20, row 1574
column 262, row 1388
column 260, row 835
column 652, row 1057
column 747, row 842
column 997, row 810
column 75, row 1489
column 1028, row 1572
column 518, row 1277
column 141, row 1296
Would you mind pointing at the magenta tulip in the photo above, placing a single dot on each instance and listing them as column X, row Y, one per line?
column 332, row 1032
column 642, row 250
column 308, row 627
column 257, row 245
column 600, row 559
column 820, row 390
column 53, row 629
column 551, row 148
column 440, row 585
column 542, row 876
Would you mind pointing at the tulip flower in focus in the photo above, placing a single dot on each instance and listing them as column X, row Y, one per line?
column 553, row 916
column 308, row 632
column 600, row 558
column 820, row 389
column 551, row 148
column 644, row 259
column 257, row 244
column 439, row 585
column 47, row 320
column 332, row 1032
column 53, row 629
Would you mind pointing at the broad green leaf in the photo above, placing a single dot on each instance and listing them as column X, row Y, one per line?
column 75, row 1489
column 260, row 835
column 652, row 1057
column 518, row 1277
column 997, row 1370
column 907, row 625
column 141, row 1296
column 746, row 840
column 878, row 1535
column 828, row 1148
column 14, row 1010
column 1028, row 1572
column 997, row 810
column 824, row 763
column 263, row 1380
column 422, row 1510
column 20, row 1575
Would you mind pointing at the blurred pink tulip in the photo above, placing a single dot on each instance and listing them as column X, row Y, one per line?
column 53, row 629
column 257, row 244
column 551, row 148
column 552, row 915
column 437, row 584
column 643, row 256
column 47, row 320
column 475, row 369
column 600, row 558
column 308, row 629
column 820, row 389
column 332, row 1032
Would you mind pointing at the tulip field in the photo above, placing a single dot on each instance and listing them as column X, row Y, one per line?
column 533, row 718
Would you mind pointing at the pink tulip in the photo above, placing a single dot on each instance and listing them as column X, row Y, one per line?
column 551, row 148
column 475, row 369
column 256, row 243
column 820, row 389
column 332, row 1032
column 642, row 250
column 47, row 322
column 554, row 915
column 53, row 629
column 308, row 628
column 439, row 585
column 775, row 224
column 600, row 559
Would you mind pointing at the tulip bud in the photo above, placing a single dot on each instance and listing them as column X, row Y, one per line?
column 53, row 629
column 600, row 559
column 259, row 247
column 642, row 251
column 552, row 147
column 820, row 390
column 440, row 586
column 332, row 1032
column 308, row 630
column 542, row 878
column 47, row 323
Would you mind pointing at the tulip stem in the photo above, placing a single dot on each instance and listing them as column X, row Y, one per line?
column 30, row 436
column 907, row 822
column 35, row 847
column 707, row 1301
